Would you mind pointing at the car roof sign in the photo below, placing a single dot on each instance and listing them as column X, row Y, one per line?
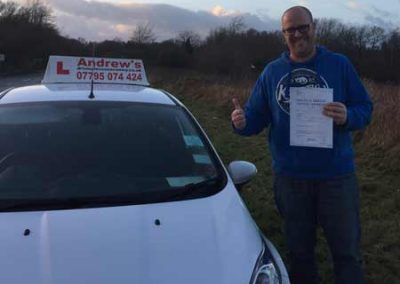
column 69, row 69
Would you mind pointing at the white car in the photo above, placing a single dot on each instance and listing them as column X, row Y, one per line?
column 117, row 184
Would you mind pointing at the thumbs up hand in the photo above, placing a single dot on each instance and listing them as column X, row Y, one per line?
column 237, row 116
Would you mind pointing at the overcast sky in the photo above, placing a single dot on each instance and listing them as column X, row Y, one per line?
column 109, row 19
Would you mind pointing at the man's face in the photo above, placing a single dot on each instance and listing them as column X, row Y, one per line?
column 299, row 33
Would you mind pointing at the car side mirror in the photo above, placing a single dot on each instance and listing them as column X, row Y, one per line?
column 241, row 172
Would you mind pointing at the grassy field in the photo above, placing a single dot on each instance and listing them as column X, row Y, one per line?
column 377, row 157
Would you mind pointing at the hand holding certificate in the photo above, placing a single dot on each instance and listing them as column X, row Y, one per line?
column 309, row 127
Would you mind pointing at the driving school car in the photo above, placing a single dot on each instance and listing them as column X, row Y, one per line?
column 106, row 180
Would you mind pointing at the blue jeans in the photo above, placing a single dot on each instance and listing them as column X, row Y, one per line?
column 334, row 205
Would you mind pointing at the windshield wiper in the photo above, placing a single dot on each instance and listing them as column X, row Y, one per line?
column 9, row 205
column 55, row 203
column 197, row 189
column 191, row 190
column 38, row 204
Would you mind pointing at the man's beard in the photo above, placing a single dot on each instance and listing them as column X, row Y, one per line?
column 306, row 47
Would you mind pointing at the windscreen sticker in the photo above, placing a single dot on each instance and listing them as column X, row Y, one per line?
column 193, row 140
column 202, row 159
column 182, row 181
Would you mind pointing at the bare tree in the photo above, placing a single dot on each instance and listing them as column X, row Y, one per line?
column 189, row 36
column 8, row 10
column 376, row 36
column 236, row 25
column 34, row 12
column 327, row 30
column 38, row 13
column 143, row 34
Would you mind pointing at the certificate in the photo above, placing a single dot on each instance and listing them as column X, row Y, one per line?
column 308, row 126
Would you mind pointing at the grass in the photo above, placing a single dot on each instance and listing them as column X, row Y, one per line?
column 377, row 158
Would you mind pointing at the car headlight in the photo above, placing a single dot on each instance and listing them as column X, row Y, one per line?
column 269, row 268
column 267, row 274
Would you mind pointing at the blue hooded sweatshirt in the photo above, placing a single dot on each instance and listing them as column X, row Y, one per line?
column 268, row 106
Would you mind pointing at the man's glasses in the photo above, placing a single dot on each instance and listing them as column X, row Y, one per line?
column 301, row 29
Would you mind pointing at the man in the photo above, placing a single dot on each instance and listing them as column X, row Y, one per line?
column 313, row 185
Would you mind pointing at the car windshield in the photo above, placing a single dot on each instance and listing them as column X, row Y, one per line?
column 56, row 155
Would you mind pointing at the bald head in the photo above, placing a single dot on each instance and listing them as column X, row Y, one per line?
column 296, row 10
column 298, row 30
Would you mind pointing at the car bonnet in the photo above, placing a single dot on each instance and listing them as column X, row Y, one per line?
column 207, row 240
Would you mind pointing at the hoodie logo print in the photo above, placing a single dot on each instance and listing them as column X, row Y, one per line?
column 300, row 77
